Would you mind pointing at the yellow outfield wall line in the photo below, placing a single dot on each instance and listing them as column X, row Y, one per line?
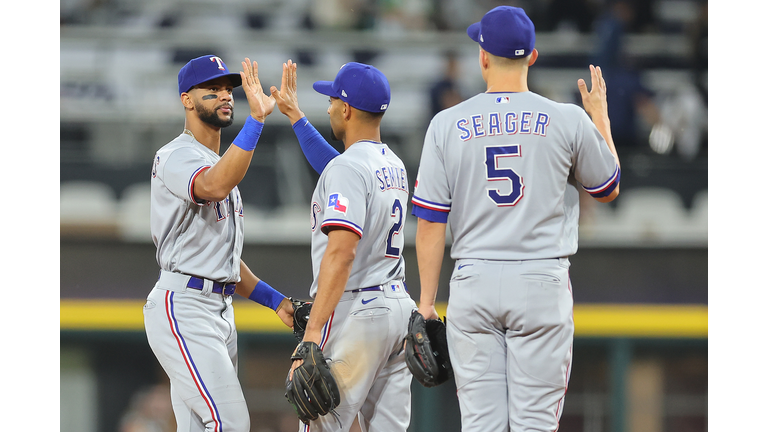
column 591, row 320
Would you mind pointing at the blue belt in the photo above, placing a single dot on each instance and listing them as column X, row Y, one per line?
column 218, row 287
column 197, row 283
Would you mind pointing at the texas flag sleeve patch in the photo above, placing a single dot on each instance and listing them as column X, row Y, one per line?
column 337, row 202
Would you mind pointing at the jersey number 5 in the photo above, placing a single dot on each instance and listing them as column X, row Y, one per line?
column 494, row 173
column 397, row 212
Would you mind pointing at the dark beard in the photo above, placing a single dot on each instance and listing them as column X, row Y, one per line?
column 212, row 117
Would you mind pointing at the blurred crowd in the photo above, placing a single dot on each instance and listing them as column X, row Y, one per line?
column 387, row 15
column 676, row 120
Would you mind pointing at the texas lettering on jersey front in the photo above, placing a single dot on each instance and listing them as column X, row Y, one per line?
column 193, row 237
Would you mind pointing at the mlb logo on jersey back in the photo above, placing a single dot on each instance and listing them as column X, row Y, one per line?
column 502, row 99
column 337, row 202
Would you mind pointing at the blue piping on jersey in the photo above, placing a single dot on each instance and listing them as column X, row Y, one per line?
column 608, row 187
column 342, row 223
column 430, row 204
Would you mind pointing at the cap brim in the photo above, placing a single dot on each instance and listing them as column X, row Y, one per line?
column 473, row 31
column 325, row 87
column 237, row 80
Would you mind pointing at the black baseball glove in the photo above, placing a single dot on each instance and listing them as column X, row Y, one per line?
column 426, row 351
column 301, row 311
column 312, row 390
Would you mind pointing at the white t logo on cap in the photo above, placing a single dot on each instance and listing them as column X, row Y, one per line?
column 218, row 62
column 343, row 93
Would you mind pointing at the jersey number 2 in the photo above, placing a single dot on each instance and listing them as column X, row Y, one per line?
column 494, row 173
column 397, row 212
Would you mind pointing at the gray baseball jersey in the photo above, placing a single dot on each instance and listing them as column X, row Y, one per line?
column 501, row 169
column 202, row 239
column 191, row 327
column 365, row 189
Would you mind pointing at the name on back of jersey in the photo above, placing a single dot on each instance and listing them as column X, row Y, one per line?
column 498, row 123
column 392, row 177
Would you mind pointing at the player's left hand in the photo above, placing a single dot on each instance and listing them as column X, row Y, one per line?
column 594, row 100
column 285, row 312
column 286, row 98
column 261, row 105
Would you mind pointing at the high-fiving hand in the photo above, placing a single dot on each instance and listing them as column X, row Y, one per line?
column 595, row 100
column 286, row 98
column 261, row 105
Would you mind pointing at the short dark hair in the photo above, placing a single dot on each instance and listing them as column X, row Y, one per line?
column 371, row 116
column 506, row 61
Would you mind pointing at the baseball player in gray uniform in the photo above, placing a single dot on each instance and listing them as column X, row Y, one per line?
column 197, row 225
column 502, row 170
column 361, row 305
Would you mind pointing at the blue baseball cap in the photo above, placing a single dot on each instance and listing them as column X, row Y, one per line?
column 504, row 31
column 202, row 69
column 360, row 85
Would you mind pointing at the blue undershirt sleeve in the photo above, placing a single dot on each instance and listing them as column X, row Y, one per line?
column 316, row 149
column 429, row 214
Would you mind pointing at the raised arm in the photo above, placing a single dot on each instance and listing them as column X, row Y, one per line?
column 316, row 149
column 596, row 105
column 216, row 182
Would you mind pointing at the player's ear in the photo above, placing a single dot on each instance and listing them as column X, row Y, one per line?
column 347, row 111
column 485, row 61
column 186, row 100
column 534, row 56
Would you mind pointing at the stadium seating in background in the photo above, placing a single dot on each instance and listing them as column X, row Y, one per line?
column 642, row 216
column 648, row 216
column 133, row 213
column 88, row 209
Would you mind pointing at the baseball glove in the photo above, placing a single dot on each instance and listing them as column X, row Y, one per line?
column 426, row 351
column 301, row 311
column 312, row 390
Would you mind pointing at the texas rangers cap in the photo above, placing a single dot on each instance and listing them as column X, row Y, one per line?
column 202, row 69
column 360, row 85
column 504, row 31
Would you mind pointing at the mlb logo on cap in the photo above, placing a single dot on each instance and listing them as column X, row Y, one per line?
column 202, row 69
column 505, row 31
